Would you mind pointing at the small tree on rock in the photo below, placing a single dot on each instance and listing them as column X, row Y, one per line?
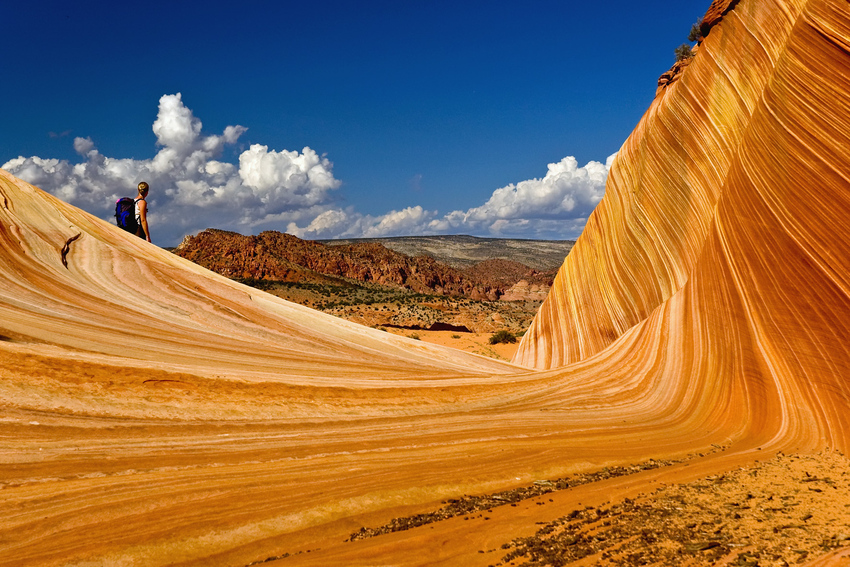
column 696, row 33
column 683, row 52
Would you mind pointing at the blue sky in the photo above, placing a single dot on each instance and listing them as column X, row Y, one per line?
column 333, row 119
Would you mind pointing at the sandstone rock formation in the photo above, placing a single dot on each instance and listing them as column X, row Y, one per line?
column 673, row 74
column 276, row 256
column 714, row 14
column 524, row 290
column 721, row 184
column 156, row 413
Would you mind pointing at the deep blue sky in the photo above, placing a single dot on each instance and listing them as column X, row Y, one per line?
column 433, row 103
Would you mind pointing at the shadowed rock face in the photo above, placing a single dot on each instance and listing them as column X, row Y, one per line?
column 156, row 413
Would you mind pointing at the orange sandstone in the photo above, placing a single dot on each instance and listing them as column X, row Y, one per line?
column 706, row 304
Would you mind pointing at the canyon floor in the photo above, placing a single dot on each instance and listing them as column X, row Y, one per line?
column 412, row 315
column 785, row 510
column 476, row 343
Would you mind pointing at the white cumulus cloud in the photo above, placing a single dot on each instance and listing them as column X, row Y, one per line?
column 192, row 188
column 554, row 206
column 83, row 145
column 339, row 223
column 566, row 193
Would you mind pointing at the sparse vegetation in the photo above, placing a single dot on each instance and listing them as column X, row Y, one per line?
column 696, row 33
column 415, row 336
column 503, row 336
column 683, row 52
column 371, row 285
column 383, row 306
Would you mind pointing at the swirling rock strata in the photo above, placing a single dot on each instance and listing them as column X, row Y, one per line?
column 156, row 413
column 722, row 231
column 751, row 135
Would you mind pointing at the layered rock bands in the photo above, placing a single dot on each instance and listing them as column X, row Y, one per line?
column 156, row 413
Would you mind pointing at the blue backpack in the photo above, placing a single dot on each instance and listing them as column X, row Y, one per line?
column 125, row 214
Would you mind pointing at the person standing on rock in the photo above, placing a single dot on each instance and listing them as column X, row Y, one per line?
column 141, row 209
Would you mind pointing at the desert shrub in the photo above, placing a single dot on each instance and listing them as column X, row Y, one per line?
column 696, row 33
column 503, row 336
column 683, row 52
column 414, row 336
column 455, row 336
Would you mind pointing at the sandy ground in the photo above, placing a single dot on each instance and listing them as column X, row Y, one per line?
column 788, row 510
column 785, row 511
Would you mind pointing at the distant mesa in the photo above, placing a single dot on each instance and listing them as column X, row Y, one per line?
column 463, row 251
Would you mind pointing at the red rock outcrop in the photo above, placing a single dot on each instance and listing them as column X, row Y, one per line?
column 157, row 413
column 277, row 256
column 524, row 290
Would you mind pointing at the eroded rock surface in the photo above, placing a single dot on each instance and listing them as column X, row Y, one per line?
column 155, row 413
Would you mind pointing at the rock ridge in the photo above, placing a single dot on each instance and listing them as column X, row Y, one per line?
column 275, row 256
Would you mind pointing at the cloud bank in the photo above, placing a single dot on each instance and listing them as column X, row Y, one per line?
column 192, row 189
column 555, row 206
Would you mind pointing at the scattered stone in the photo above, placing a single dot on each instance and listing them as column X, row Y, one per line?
column 693, row 521
column 471, row 504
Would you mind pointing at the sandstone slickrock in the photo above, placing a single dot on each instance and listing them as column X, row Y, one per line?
column 714, row 14
column 156, row 413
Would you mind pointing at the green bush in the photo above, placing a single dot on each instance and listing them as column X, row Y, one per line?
column 502, row 336
column 696, row 33
column 683, row 52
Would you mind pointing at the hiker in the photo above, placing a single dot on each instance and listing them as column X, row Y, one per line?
column 141, row 210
